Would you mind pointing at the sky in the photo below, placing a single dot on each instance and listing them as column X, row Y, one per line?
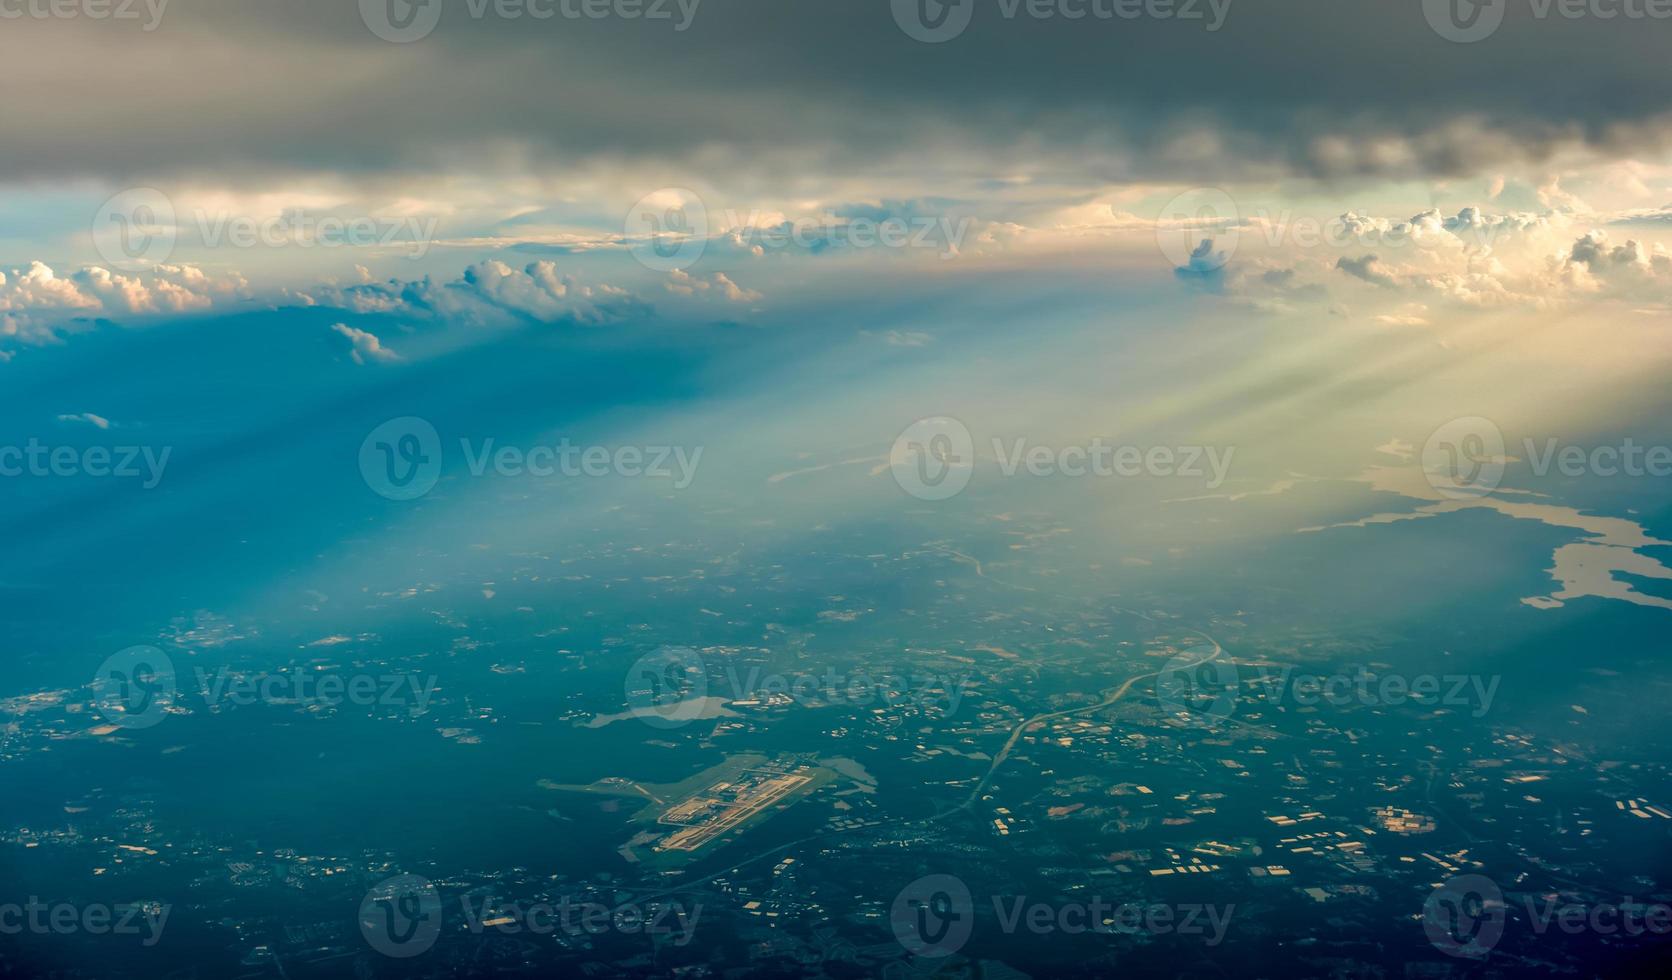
column 1316, row 231
column 511, row 159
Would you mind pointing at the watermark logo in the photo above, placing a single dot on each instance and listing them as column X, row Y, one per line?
column 1464, row 21
column 37, row 459
column 1198, row 230
column 933, row 458
column 401, row 916
column 674, row 685
column 43, row 918
column 668, row 229
column 401, row 459
column 140, row 228
column 150, row 11
column 1468, row 21
column 405, row 21
column 401, row 21
column 671, row 921
column 936, row 21
column 1626, row 459
column 933, row 916
column 1464, row 917
column 1202, row 691
column 135, row 230
column 1198, row 688
column 315, row 688
column 758, row 233
column 564, row 458
column 134, row 688
column 667, row 688
column 1101, row 458
column 1464, row 458
column 933, row 21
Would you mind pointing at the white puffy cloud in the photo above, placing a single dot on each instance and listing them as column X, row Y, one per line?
column 1630, row 269
column 683, row 283
column 365, row 346
column 88, row 418
column 37, row 304
column 488, row 292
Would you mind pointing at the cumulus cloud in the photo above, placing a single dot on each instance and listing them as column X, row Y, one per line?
column 487, row 293
column 1205, row 267
column 365, row 346
column 1629, row 269
column 683, row 283
column 1468, row 259
column 88, row 418
column 37, row 304
column 1471, row 227
column 1367, row 268
column 1590, row 267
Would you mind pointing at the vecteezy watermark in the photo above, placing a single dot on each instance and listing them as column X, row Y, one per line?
column 667, row 229
column 315, row 688
column 135, row 688
column 1200, row 690
column 1199, row 686
column 1464, row 21
column 1466, row 458
column 401, row 460
column 672, row 686
column 299, row 228
column 668, row 687
column 36, row 459
column 42, row 918
column 136, row 228
column 148, row 12
column 670, row 228
column 564, row 458
column 1361, row 686
column 934, row 917
column 401, row 916
column 934, row 21
column 564, row 915
column 1464, row 917
column 934, row 458
column 140, row 227
column 1627, row 918
column 1467, row 916
column 1198, row 230
column 1468, row 21
column 1100, row 458
column 940, row 233
column 405, row 21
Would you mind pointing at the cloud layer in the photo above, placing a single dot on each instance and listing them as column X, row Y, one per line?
column 1313, row 87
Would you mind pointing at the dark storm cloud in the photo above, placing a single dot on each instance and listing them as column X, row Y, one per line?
column 755, row 87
